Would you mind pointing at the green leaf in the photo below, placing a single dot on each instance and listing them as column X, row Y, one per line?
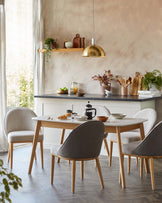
column 7, row 188
column 5, row 181
column 1, row 162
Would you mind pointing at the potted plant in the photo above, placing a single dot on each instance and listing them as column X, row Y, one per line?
column 50, row 44
column 8, row 180
column 152, row 80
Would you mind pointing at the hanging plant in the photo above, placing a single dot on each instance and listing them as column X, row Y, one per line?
column 8, row 180
column 50, row 44
column 152, row 78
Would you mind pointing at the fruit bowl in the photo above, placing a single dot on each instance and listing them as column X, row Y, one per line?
column 102, row 118
column 62, row 91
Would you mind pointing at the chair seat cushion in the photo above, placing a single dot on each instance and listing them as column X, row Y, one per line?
column 126, row 137
column 129, row 148
column 55, row 148
column 23, row 136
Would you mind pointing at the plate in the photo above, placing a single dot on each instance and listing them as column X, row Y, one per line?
column 118, row 115
column 81, row 118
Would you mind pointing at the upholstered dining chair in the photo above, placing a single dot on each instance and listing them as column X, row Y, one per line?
column 82, row 144
column 20, row 128
column 149, row 148
column 127, row 137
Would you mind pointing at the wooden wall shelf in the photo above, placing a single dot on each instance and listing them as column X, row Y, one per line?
column 63, row 50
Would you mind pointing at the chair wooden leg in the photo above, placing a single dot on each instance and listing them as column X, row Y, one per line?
column 152, row 173
column 69, row 161
column 35, row 156
column 62, row 140
column 82, row 170
column 129, row 163
column 8, row 154
column 141, row 167
column 120, row 178
column 73, row 175
column 11, row 154
column 106, row 146
column 137, row 160
column 41, row 150
column 110, row 153
column 146, row 165
column 99, row 171
column 52, row 168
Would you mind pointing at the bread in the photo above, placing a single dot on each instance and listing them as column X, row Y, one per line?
column 68, row 114
column 63, row 117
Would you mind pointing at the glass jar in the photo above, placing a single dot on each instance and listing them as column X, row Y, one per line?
column 74, row 86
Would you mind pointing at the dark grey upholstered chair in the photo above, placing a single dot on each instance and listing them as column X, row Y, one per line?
column 20, row 128
column 150, row 148
column 82, row 144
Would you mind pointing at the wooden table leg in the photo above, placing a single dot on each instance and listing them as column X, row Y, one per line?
column 106, row 146
column 34, row 146
column 120, row 158
column 142, row 135
column 62, row 140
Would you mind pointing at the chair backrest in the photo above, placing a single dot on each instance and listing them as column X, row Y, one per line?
column 19, row 119
column 84, row 141
column 150, row 115
column 152, row 144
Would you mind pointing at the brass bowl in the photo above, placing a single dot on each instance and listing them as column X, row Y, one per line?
column 102, row 118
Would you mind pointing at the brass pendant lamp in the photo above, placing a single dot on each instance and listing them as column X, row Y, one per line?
column 93, row 50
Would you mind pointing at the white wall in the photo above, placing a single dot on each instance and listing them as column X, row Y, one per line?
column 130, row 31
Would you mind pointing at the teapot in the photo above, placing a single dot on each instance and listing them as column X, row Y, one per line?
column 89, row 111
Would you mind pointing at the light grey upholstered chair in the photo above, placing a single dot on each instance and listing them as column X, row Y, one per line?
column 150, row 148
column 127, row 137
column 82, row 144
column 20, row 128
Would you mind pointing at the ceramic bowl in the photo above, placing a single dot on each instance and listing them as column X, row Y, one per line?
column 68, row 44
column 81, row 118
column 118, row 115
column 102, row 118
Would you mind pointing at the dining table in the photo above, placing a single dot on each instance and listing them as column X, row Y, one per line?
column 111, row 126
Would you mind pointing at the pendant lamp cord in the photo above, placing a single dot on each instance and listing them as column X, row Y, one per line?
column 93, row 35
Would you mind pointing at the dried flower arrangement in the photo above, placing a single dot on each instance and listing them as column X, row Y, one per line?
column 105, row 79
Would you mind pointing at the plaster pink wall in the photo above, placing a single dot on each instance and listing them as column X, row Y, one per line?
column 130, row 31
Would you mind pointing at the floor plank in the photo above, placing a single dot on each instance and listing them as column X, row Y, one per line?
column 37, row 187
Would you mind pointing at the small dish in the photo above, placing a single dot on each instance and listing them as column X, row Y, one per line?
column 80, row 94
column 81, row 118
column 118, row 115
column 102, row 118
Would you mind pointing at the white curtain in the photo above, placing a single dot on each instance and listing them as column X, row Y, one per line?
column 38, row 38
column 3, row 139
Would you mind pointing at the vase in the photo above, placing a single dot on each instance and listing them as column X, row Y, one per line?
column 106, row 89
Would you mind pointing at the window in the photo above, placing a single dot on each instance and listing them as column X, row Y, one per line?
column 19, row 53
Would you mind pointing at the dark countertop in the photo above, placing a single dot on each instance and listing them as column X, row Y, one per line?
column 98, row 97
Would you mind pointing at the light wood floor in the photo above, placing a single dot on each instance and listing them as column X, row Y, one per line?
column 37, row 187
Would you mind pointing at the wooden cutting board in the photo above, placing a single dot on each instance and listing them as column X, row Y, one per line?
column 136, row 84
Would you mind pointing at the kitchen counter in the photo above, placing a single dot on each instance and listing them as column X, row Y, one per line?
column 98, row 97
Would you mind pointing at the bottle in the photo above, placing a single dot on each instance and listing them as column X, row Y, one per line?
column 77, row 41
column 83, row 42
